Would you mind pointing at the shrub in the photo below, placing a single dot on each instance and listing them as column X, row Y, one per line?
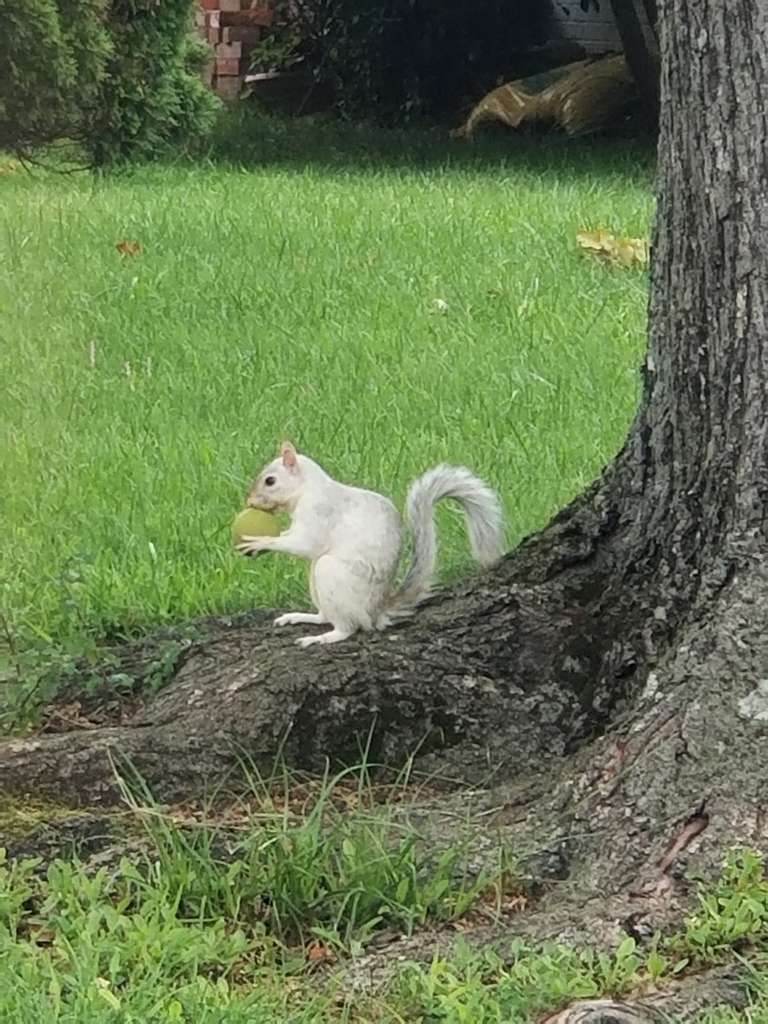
column 53, row 54
column 121, row 79
column 153, row 98
column 399, row 60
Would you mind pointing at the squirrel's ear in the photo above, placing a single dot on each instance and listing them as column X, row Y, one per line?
column 288, row 452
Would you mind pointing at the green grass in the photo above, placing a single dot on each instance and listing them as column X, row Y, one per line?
column 120, row 948
column 730, row 922
column 223, row 916
column 332, row 859
column 295, row 297
column 192, row 931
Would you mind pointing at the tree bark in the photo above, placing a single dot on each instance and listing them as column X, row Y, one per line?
column 610, row 675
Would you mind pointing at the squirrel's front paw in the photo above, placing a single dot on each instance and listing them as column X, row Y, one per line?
column 252, row 546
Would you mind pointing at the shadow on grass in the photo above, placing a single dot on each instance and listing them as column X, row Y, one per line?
column 247, row 137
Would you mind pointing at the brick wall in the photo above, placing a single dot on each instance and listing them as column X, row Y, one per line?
column 232, row 27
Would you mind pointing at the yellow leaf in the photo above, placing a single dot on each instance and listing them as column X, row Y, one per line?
column 612, row 248
column 128, row 248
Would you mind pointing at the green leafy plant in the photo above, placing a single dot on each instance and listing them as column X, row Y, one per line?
column 54, row 55
column 733, row 914
column 120, row 80
column 412, row 59
column 153, row 98
column 114, row 945
column 126, row 943
column 32, row 665
column 279, row 49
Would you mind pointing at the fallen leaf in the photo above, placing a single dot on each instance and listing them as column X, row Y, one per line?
column 128, row 248
column 317, row 952
column 612, row 248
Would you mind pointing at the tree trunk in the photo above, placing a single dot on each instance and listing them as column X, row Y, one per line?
column 611, row 673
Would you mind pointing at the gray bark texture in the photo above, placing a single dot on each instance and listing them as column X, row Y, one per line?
column 610, row 677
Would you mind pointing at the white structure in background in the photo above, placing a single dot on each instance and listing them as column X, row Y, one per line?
column 594, row 28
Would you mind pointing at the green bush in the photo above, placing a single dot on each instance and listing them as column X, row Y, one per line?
column 153, row 98
column 121, row 79
column 53, row 54
column 403, row 60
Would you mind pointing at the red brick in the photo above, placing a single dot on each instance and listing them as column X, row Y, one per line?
column 212, row 21
column 256, row 16
column 226, row 50
column 229, row 88
column 248, row 34
column 227, row 66
column 209, row 5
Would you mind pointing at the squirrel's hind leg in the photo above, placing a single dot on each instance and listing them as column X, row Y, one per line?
column 348, row 594
column 333, row 636
column 299, row 618
column 305, row 618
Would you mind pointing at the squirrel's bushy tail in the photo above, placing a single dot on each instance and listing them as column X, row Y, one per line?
column 484, row 523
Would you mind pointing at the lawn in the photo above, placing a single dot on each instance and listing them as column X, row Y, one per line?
column 388, row 302
column 184, row 932
column 295, row 298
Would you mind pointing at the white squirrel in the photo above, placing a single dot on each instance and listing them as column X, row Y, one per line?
column 354, row 539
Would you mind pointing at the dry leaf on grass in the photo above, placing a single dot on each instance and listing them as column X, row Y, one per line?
column 317, row 952
column 610, row 248
column 128, row 248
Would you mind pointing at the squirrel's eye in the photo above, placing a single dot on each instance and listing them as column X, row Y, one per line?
column 270, row 481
